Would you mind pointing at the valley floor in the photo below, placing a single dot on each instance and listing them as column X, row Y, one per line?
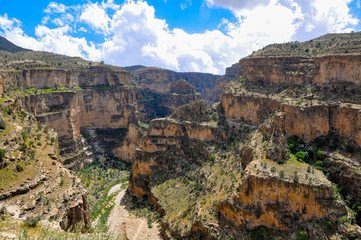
column 122, row 223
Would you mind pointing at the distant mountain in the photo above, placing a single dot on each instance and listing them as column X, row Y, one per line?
column 133, row 68
column 8, row 46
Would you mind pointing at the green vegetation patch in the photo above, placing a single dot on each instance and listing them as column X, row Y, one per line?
column 38, row 91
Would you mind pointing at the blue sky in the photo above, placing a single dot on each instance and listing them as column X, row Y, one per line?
column 185, row 35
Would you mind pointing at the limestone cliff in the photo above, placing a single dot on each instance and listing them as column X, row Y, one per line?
column 33, row 182
column 307, row 122
column 51, row 77
column 160, row 80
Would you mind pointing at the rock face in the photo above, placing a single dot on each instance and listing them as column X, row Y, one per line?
column 160, row 80
column 302, row 71
column 196, row 111
column 76, row 214
column 49, row 78
column 268, row 200
column 306, row 122
column 34, row 183
column 230, row 74
column 70, row 112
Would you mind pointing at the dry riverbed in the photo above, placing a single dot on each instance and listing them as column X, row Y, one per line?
column 125, row 225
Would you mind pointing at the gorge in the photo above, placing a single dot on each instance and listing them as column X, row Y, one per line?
column 270, row 150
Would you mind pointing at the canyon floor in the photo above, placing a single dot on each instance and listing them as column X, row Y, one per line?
column 123, row 223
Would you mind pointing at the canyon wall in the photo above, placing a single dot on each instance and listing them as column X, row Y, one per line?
column 306, row 122
column 33, row 182
column 70, row 112
column 302, row 70
column 278, row 203
column 107, row 100
column 49, row 77
column 160, row 80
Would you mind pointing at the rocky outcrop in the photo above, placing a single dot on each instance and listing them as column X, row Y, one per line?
column 154, row 104
column 216, row 94
column 249, row 107
column 181, row 87
column 99, row 97
column 160, row 80
column 196, row 111
column 302, row 70
column 280, row 198
column 76, row 214
column 49, row 78
column 306, row 122
column 70, row 112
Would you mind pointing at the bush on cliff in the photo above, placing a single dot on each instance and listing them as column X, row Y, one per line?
column 2, row 155
column 2, row 124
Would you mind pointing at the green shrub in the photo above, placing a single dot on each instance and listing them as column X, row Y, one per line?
column 302, row 235
column 24, row 133
column 31, row 221
column 143, row 124
column 8, row 110
column 300, row 155
column 352, row 236
column 2, row 124
column 318, row 164
column 2, row 155
column 19, row 168
column 212, row 157
column 343, row 219
column 3, row 210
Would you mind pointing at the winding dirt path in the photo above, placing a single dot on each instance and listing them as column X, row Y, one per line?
column 121, row 223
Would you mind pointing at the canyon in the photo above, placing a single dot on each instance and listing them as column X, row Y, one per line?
column 269, row 150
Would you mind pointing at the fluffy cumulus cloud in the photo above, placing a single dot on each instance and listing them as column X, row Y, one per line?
column 132, row 34
column 54, row 7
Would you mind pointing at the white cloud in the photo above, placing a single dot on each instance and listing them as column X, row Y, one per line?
column 54, row 7
column 237, row 4
column 58, row 22
column 185, row 4
column 95, row 16
column 133, row 35
column 82, row 29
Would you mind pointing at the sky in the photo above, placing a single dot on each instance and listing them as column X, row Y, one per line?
column 183, row 35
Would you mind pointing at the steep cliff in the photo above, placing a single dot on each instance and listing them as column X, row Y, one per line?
column 160, row 80
column 33, row 183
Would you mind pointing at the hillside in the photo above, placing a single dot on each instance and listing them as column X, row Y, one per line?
column 329, row 44
column 8, row 46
